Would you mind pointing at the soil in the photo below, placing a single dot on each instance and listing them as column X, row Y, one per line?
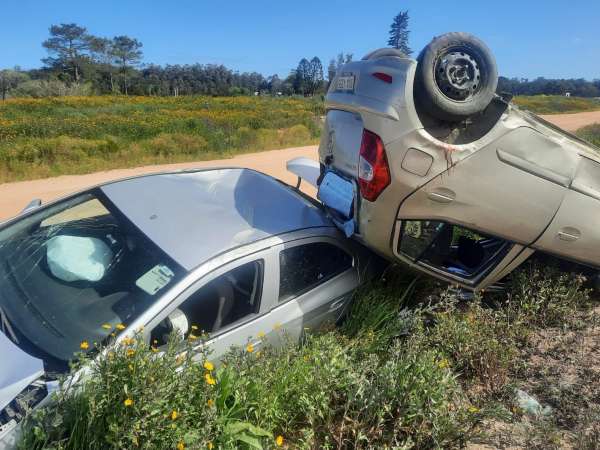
column 15, row 196
column 572, row 122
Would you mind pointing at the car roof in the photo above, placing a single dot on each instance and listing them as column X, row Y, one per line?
column 194, row 216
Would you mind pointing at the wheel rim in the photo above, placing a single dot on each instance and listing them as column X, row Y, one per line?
column 457, row 74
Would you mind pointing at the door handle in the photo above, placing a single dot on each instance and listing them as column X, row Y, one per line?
column 569, row 234
column 337, row 304
column 441, row 195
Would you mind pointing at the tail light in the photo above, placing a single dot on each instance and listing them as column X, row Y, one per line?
column 373, row 169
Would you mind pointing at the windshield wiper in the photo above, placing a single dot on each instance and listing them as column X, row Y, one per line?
column 7, row 327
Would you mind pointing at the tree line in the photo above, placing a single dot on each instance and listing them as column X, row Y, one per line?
column 79, row 63
column 523, row 86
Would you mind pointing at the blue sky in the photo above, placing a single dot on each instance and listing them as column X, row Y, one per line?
column 551, row 38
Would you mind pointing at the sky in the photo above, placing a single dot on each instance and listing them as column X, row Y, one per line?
column 530, row 38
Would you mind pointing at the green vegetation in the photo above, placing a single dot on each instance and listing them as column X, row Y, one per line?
column 412, row 367
column 590, row 133
column 53, row 136
column 556, row 104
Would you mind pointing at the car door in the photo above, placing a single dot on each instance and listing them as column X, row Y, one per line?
column 454, row 253
column 317, row 277
column 574, row 232
column 511, row 188
column 232, row 304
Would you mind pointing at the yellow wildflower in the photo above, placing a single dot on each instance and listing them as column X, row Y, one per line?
column 194, row 328
column 174, row 415
column 261, row 334
column 192, row 337
column 209, row 366
column 210, row 403
column 473, row 409
column 210, row 445
column 107, row 326
column 130, row 352
column 443, row 364
column 277, row 326
column 128, row 402
column 279, row 441
column 84, row 345
column 131, row 367
column 127, row 341
column 120, row 327
column 209, row 379
column 250, row 348
column 180, row 446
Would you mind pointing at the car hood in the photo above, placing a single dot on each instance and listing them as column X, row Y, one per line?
column 18, row 372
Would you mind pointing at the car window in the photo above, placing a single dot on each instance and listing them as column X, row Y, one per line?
column 76, row 270
column 87, row 210
column 417, row 235
column 305, row 266
column 221, row 302
column 451, row 248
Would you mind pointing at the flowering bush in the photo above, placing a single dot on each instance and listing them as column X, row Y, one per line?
column 50, row 136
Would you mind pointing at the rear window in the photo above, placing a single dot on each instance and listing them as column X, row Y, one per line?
column 304, row 267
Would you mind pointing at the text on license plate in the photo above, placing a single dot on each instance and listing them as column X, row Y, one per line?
column 345, row 83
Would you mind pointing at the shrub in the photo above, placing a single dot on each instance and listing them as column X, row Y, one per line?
column 167, row 144
column 542, row 295
column 328, row 392
column 475, row 342
column 591, row 133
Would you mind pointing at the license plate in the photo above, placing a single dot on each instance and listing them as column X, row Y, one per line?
column 345, row 83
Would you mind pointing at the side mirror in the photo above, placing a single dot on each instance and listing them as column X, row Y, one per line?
column 33, row 204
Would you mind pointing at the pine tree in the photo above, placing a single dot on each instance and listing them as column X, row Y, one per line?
column 399, row 33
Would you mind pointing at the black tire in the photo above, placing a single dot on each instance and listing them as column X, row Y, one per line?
column 456, row 77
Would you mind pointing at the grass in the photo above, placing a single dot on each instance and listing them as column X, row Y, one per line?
column 590, row 133
column 412, row 367
column 68, row 135
column 556, row 104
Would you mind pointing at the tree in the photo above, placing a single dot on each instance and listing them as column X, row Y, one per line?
column 399, row 33
column 101, row 52
column 67, row 45
column 126, row 53
column 10, row 79
column 315, row 75
column 302, row 77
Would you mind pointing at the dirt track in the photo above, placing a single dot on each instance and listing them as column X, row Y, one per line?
column 572, row 122
column 14, row 196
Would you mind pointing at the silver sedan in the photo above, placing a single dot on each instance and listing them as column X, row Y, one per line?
column 232, row 252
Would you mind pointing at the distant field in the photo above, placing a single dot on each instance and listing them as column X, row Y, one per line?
column 557, row 104
column 48, row 137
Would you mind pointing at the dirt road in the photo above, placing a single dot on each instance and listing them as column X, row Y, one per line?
column 572, row 122
column 15, row 196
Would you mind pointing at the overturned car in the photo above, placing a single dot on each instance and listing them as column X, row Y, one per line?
column 427, row 165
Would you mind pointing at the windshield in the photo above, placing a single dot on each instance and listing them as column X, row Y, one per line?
column 75, row 272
